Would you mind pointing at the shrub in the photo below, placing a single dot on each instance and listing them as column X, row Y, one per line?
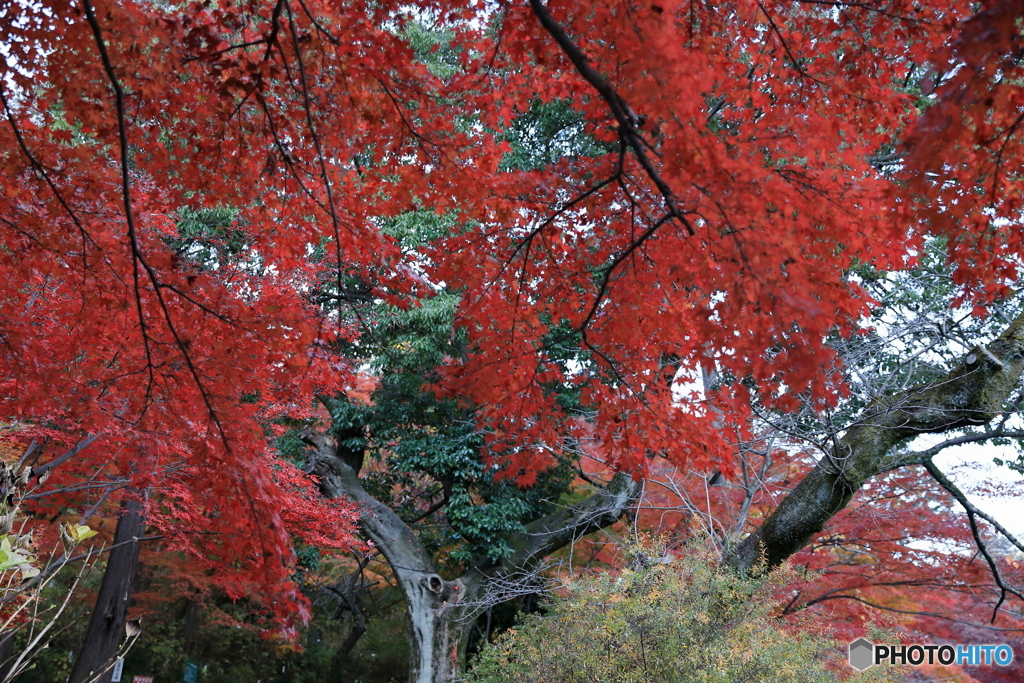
column 686, row 620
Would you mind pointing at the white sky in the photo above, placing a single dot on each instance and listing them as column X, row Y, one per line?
column 969, row 466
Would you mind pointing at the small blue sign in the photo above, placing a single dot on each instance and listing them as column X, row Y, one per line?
column 191, row 672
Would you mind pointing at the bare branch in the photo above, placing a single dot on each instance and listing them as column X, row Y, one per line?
column 972, row 514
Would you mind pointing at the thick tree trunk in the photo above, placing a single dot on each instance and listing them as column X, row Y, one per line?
column 439, row 609
column 106, row 631
column 430, row 600
column 435, row 609
column 973, row 393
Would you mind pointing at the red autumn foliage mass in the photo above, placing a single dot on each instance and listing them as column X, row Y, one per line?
column 735, row 184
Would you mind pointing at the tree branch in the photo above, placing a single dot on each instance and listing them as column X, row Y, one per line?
column 384, row 528
column 972, row 393
column 64, row 457
column 972, row 514
column 557, row 530
column 629, row 122
column 920, row 457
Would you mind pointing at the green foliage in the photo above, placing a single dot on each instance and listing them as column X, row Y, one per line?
column 208, row 236
column 419, row 434
column 291, row 447
column 415, row 229
column 308, row 558
column 688, row 621
column 546, row 133
column 432, row 46
column 425, row 451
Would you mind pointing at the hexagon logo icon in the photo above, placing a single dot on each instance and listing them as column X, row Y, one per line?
column 862, row 654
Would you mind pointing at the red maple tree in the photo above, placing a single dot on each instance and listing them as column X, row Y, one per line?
column 737, row 181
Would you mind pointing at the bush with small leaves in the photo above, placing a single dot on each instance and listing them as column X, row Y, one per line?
column 675, row 619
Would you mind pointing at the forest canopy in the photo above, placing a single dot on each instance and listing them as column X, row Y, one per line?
column 449, row 285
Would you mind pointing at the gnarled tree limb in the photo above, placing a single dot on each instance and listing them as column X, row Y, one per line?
column 439, row 610
column 972, row 393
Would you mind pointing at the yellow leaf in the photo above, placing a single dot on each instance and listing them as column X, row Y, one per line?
column 80, row 532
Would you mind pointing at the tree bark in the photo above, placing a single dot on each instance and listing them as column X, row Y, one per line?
column 6, row 651
column 973, row 393
column 438, row 609
column 430, row 601
column 106, row 631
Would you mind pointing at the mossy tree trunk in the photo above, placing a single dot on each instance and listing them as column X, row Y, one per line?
column 972, row 393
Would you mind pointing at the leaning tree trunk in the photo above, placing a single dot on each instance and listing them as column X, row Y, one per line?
column 439, row 610
column 106, row 630
column 973, row 393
